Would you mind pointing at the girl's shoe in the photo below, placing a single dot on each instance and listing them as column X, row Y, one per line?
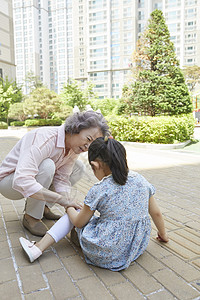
column 32, row 251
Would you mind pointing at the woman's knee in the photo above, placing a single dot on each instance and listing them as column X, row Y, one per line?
column 47, row 166
column 46, row 170
column 7, row 190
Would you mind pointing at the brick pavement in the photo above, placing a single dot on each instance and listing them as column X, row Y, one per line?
column 170, row 271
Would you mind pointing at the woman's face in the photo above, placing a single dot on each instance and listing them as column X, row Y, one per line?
column 81, row 141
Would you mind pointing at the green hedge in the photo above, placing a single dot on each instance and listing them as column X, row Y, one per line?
column 43, row 122
column 156, row 130
column 17, row 123
column 3, row 125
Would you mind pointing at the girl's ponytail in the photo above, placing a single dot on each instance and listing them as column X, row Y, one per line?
column 113, row 154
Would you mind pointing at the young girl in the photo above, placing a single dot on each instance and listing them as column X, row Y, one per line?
column 124, row 200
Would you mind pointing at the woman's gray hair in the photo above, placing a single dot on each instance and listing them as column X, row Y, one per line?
column 84, row 120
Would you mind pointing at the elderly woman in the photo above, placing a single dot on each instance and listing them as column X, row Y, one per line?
column 43, row 165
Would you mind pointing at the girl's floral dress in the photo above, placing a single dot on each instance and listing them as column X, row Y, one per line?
column 121, row 233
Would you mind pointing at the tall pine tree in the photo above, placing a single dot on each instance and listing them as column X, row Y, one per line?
column 159, row 86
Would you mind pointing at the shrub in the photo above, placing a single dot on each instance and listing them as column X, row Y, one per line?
column 105, row 105
column 3, row 125
column 17, row 123
column 43, row 122
column 64, row 112
column 157, row 130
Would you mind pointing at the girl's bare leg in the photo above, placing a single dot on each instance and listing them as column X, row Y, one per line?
column 45, row 242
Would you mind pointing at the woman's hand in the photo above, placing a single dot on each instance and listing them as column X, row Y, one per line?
column 78, row 204
column 162, row 238
column 67, row 202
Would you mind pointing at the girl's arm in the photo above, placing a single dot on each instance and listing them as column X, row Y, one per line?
column 158, row 220
column 80, row 219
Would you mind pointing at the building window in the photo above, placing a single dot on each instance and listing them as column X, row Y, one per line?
column 141, row 3
column 141, row 15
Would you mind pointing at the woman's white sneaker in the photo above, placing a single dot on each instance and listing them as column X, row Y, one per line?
column 32, row 251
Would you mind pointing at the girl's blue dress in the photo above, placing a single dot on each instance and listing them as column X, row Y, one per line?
column 121, row 233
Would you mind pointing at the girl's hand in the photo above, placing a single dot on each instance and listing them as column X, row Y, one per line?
column 162, row 238
column 68, row 208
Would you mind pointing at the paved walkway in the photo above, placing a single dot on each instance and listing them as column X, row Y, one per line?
column 170, row 271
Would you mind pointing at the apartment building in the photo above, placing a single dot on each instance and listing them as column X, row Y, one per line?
column 7, row 59
column 93, row 40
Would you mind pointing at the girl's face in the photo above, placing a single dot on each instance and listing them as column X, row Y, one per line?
column 81, row 141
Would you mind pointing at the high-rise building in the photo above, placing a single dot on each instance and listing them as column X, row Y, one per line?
column 31, row 29
column 7, row 58
column 93, row 40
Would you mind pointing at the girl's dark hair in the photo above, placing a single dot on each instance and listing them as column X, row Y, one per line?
column 84, row 120
column 113, row 154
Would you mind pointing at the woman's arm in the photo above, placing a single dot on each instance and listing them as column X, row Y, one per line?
column 80, row 219
column 61, row 198
column 158, row 220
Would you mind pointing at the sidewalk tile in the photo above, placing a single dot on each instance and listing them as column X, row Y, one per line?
column 3, row 236
column 184, row 242
column 11, row 216
column 20, row 257
column 180, row 249
column 108, row 277
column 93, row 289
column 182, row 268
column 157, row 250
column 10, row 291
column 177, row 286
column 49, row 262
column 61, row 285
column 190, row 234
column 193, row 224
column 31, row 277
column 7, row 270
column 82, row 270
column 141, row 279
column 196, row 285
column 149, row 263
column 126, row 291
column 196, row 262
column 5, row 252
column 160, row 295
column 64, row 248
column 14, row 238
column 40, row 295
column 14, row 226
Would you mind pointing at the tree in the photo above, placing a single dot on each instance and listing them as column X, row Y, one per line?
column 16, row 112
column 32, row 81
column 192, row 76
column 158, row 85
column 64, row 112
column 5, row 101
column 73, row 94
column 9, row 93
column 42, row 103
column 106, row 106
column 17, row 96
